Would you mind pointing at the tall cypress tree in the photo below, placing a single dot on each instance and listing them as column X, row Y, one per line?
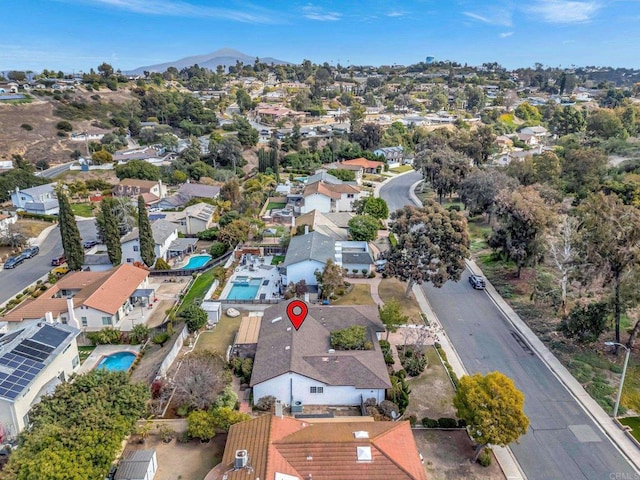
column 145, row 234
column 71, row 241
column 110, row 231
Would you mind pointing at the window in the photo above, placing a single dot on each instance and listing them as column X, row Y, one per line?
column 76, row 361
column 84, row 321
column 316, row 389
column 129, row 260
column 136, row 248
column 350, row 195
column 106, row 320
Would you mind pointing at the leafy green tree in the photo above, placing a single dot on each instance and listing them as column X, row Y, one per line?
column 432, row 244
column 194, row 317
column 524, row 218
column 583, row 170
column 224, row 417
column 228, row 153
column 109, row 229
column 138, row 169
column 604, row 123
column 610, row 243
column 330, row 280
column 478, row 191
column 391, row 316
column 247, row 135
column 351, row 338
column 71, row 241
column 376, row 207
column 356, row 116
column 567, row 120
column 586, row 323
column 443, row 168
column 363, row 228
column 344, row 175
column 493, row 408
column 235, row 232
column 200, row 424
column 145, row 234
column 102, row 157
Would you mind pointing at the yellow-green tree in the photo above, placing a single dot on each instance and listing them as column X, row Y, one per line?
column 493, row 408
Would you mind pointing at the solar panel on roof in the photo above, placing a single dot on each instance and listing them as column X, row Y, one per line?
column 50, row 336
column 32, row 350
column 4, row 339
column 38, row 346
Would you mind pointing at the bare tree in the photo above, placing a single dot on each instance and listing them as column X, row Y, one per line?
column 562, row 247
column 200, row 378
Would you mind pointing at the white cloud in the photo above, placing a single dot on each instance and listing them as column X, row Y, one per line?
column 506, row 34
column 565, row 11
column 180, row 8
column 395, row 13
column 313, row 12
column 495, row 16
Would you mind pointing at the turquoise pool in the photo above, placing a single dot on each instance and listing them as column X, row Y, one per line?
column 197, row 262
column 244, row 289
column 117, row 362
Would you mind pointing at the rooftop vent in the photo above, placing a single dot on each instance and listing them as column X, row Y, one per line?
column 331, row 350
column 242, row 459
column 288, row 329
column 361, row 434
column 277, row 319
column 287, row 347
column 309, row 458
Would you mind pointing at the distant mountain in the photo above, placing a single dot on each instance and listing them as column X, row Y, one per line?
column 224, row 57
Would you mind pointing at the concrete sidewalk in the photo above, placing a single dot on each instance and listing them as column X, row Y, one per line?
column 606, row 424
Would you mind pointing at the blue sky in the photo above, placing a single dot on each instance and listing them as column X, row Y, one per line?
column 79, row 34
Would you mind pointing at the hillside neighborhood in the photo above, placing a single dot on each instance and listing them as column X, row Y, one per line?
column 466, row 240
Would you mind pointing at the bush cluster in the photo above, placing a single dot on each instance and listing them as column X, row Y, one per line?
column 443, row 422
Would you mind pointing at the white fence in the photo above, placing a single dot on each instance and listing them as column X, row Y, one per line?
column 173, row 353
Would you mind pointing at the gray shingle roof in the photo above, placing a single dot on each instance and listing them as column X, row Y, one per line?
column 356, row 258
column 308, row 348
column 162, row 230
column 312, row 246
column 196, row 190
column 325, row 177
column 135, row 466
column 39, row 190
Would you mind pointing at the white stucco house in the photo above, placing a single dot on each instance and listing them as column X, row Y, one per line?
column 88, row 300
column 326, row 197
column 164, row 234
column 39, row 200
column 192, row 220
column 6, row 221
column 300, row 367
column 33, row 361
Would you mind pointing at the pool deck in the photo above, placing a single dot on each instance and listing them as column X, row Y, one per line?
column 257, row 267
column 177, row 264
column 103, row 350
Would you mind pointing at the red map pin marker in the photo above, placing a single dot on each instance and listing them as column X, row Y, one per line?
column 297, row 311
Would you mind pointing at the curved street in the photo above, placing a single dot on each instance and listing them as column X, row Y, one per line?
column 563, row 441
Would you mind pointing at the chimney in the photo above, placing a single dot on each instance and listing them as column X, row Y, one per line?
column 279, row 409
column 72, row 316
column 306, row 229
column 48, row 317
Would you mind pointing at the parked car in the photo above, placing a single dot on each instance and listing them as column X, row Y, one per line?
column 477, row 282
column 59, row 260
column 380, row 264
column 89, row 244
column 61, row 270
column 31, row 252
column 13, row 262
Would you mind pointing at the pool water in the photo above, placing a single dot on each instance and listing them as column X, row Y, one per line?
column 244, row 289
column 117, row 362
column 197, row 262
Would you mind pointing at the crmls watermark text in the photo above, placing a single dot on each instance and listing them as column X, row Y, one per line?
column 623, row 476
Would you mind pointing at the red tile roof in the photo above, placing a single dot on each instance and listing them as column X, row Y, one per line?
column 363, row 162
column 322, row 451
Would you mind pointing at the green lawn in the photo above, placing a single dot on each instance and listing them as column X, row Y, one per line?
column 634, row 423
column 401, row 169
column 277, row 259
column 198, row 289
column 391, row 288
column 82, row 209
column 273, row 205
column 221, row 336
column 84, row 352
column 360, row 294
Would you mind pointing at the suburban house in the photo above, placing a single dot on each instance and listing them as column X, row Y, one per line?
column 300, row 367
column 40, row 200
column 187, row 192
column 273, row 447
column 334, row 225
column 97, row 262
column 369, row 166
column 33, row 361
column 148, row 154
column 391, row 154
column 323, row 176
column 87, row 300
column 150, row 190
column 310, row 252
column 327, row 197
column 191, row 220
column 164, row 234
column 538, row 131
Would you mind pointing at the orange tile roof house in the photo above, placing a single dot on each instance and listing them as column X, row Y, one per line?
column 300, row 367
column 87, row 300
column 369, row 165
column 283, row 448
column 152, row 191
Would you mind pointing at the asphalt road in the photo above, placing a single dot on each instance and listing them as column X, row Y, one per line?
column 562, row 441
column 17, row 279
column 55, row 171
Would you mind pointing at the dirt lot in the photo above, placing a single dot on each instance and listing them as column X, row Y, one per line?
column 447, row 456
column 183, row 461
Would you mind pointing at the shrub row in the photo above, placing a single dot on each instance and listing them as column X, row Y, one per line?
column 443, row 422
column 447, row 365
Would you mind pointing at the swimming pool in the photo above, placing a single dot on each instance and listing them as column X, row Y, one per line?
column 244, row 288
column 197, row 262
column 117, row 362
